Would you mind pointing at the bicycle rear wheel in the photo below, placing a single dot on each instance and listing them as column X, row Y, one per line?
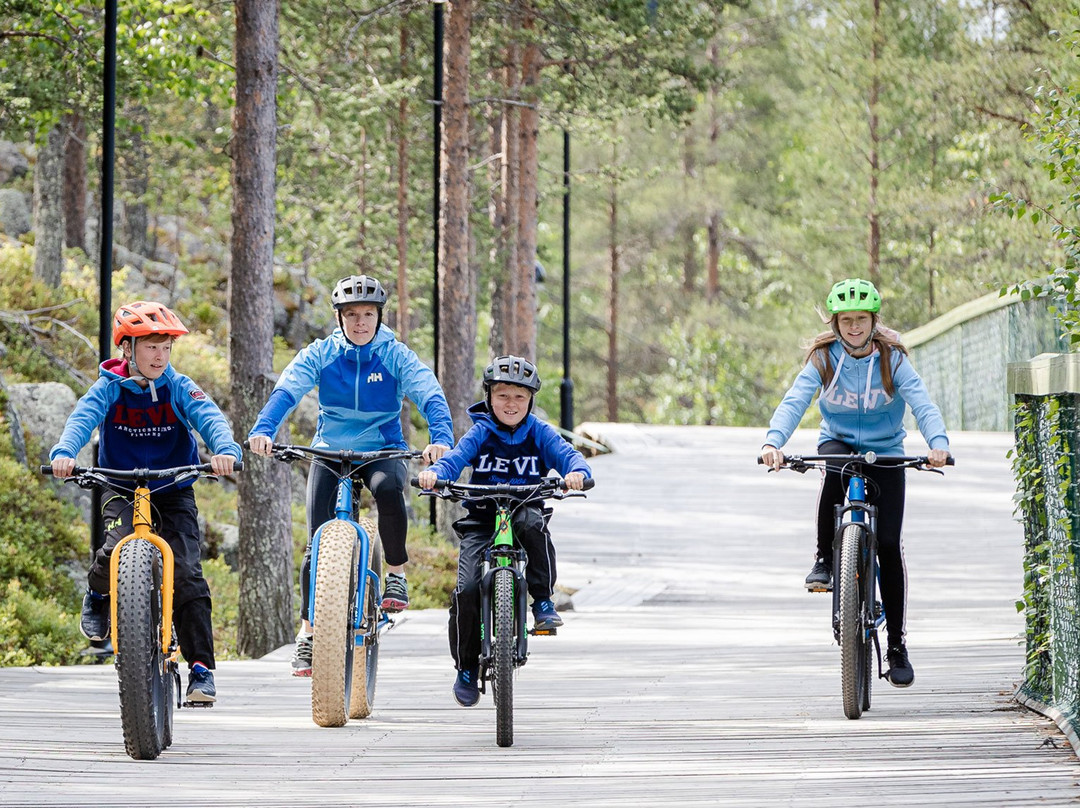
column 146, row 685
column 854, row 644
column 334, row 637
column 504, row 641
column 366, row 652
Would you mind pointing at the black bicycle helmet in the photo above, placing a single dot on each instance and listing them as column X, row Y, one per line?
column 512, row 370
column 358, row 289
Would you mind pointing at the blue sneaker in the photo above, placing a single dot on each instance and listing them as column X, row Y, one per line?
column 544, row 615
column 94, row 622
column 201, row 684
column 466, row 690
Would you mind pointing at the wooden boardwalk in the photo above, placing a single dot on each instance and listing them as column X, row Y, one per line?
column 694, row 671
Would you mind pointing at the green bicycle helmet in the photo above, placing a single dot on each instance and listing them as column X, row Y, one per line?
column 853, row 294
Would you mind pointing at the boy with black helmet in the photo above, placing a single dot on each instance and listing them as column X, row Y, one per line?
column 506, row 444
column 145, row 412
column 362, row 373
column 866, row 383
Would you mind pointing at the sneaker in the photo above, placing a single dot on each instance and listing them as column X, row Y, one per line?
column 820, row 577
column 900, row 672
column 301, row 658
column 544, row 615
column 466, row 691
column 94, row 623
column 201, row 684
column 395, row 596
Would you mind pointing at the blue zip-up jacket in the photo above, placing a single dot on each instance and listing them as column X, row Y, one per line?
column 361, row 388
column 855, row 408
column 145, row 427
column 521, row 456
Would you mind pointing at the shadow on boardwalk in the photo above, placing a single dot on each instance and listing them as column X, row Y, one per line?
column 695, row 671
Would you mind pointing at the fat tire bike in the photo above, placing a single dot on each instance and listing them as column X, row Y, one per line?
column 141, row 609
column 857, row 613
column 344, row 585
column 504, row 644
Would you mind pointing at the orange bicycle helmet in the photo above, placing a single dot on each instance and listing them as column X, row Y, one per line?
column 142, row 318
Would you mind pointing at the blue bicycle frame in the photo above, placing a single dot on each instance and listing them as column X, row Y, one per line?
column 859, row 512
column 343, row 509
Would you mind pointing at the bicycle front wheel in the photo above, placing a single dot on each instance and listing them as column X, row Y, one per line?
column 366, row 652
column 854, row 640
column 334, row 638
column 505, row 642
column 146, row 685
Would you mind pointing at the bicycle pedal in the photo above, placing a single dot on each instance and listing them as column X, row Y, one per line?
column 819, row 589
column 544, row 632
column 204, row 704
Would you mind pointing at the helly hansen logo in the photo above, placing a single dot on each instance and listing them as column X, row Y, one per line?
column 501, row 465
column 374, row 377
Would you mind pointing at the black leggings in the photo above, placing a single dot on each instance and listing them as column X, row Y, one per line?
column 386, row 481
column 885, row 488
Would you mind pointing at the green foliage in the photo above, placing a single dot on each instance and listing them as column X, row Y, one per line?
column 225, row 592
column 37, row 630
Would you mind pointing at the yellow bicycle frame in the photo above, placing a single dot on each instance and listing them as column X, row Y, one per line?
column 141, row 528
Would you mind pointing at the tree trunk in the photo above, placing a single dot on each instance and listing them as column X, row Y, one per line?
column 613, row 297
column 363, row 259
column 504, row 293
column 49, row 208
column 403, row 214
column 75, row 182
column 712, row 276
column 137, row 182
column 524, row 308
column 266, row 569
column 874, row 215
column 457, row 292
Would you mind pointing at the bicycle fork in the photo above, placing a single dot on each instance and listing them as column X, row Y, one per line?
column 865, row 515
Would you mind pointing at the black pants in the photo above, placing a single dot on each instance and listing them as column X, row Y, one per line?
column 175, row 518
column 386, row 481
column 475, row 532
column 885, row 488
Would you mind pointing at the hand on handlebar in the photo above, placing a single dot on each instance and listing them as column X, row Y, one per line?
column 261, row 445
column 62, row 467
column 434, row 452
column 772, row 457
column 427, row 480
column 937, row 458
column 222, row 464
column 575, row 481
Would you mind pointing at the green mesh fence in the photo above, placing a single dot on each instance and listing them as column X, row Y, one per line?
column 1046, row 462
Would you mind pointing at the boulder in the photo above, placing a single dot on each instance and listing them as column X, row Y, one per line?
column 13, row 162
column 14, row 213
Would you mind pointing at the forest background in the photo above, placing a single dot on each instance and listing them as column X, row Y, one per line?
column 729, row 161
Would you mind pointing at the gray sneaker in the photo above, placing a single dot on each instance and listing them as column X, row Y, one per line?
column 94, row 622
column 301, row 661
column 820, row 577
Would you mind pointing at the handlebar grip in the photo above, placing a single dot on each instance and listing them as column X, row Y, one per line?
column 414, row 482
column 588, row 484
column 238, row 465
column 950, row 461
column 46, row 470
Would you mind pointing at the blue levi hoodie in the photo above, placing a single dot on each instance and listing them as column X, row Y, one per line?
column 497, row 454
column 361, row 388
column 145, row 427
column 855, row 408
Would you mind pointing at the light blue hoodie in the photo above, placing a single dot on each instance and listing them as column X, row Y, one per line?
column 855, row 408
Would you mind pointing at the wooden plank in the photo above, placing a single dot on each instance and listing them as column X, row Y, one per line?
column 694, row 671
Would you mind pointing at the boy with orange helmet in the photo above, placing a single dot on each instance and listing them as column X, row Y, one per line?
column 145, row 411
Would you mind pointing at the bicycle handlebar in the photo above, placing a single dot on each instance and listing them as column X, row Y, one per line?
column 803, row 462
column 554, row 487
column 288, row 453
column 141, row 474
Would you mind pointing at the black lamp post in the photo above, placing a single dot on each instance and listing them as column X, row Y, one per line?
column 566, row 388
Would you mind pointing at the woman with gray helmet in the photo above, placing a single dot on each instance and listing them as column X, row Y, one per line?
column 362, row 373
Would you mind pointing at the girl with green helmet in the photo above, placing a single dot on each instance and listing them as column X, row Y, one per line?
column 865, row 383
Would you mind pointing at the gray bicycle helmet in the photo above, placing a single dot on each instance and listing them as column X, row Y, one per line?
column 512, row 370
column 358, row 289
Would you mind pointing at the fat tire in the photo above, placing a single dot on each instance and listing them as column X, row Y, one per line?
column 504, row 641
column 366, row 651
column 146, row 699
column 333, row 636
column 854, row 650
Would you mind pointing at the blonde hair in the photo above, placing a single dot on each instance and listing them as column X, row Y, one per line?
column 885, row 339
